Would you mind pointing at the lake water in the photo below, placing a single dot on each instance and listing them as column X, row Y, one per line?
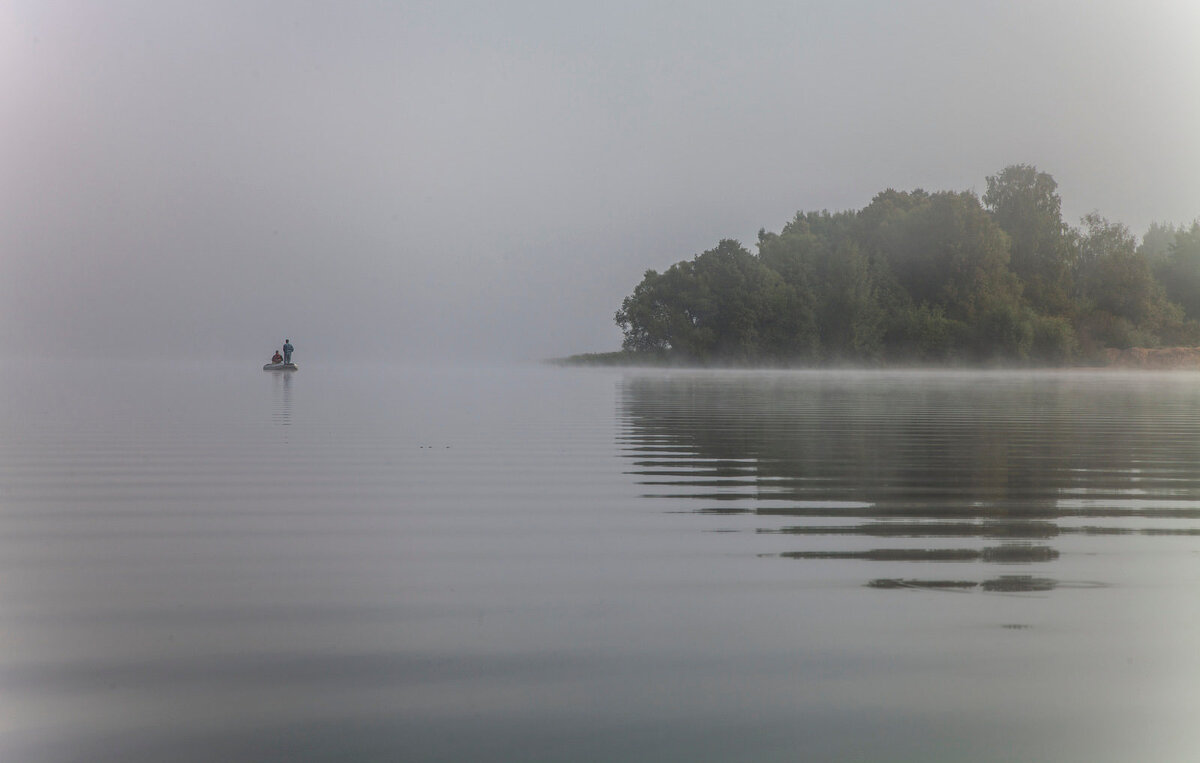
column 542, row 564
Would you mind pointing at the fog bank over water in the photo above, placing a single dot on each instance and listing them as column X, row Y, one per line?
column 461, row 180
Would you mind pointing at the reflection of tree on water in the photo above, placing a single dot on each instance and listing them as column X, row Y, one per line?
column 941, row 529
column 1002, row 584
column 1003, row 554
column 1012, row 459
column 281, row 410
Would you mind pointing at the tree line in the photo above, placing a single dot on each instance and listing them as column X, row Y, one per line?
column 924, row 277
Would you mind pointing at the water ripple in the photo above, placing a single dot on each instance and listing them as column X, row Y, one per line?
column 1020, row 460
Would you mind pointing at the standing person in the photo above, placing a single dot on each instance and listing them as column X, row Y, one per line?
column 287, row 350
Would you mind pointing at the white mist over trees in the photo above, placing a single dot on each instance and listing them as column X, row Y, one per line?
column 929, row 277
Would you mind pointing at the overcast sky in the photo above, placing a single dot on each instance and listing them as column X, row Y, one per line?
column 488, row 180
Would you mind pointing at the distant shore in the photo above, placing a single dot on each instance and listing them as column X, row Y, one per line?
column 1149, row 358
column 1161, row 358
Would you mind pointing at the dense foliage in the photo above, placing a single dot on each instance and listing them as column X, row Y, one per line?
column 926, row 277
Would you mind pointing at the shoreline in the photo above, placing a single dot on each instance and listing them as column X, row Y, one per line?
column 1130, row 359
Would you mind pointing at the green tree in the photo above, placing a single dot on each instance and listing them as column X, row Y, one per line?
column 816, row 253
column 1122, row 302
column 945, row 251
column 1179, row 269
column 724, row 304
column 921, row 333
column 850, row 314
column 1157, row 241
column 1025, row 204
column 645, row 316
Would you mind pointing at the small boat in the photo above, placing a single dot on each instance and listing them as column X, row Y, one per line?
column 280, row 367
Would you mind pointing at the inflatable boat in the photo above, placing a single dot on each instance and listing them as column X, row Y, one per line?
column 280, row 367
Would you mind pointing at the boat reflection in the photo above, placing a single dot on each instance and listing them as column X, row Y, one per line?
column 281, row 409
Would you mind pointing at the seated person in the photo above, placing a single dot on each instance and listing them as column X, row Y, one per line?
column 277, row 358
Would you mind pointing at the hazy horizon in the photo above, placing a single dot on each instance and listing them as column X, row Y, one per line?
column 469, row 181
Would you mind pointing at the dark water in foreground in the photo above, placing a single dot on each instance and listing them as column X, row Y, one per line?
column 589, row 565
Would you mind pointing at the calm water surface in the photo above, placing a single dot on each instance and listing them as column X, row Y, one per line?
column 538, row 564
